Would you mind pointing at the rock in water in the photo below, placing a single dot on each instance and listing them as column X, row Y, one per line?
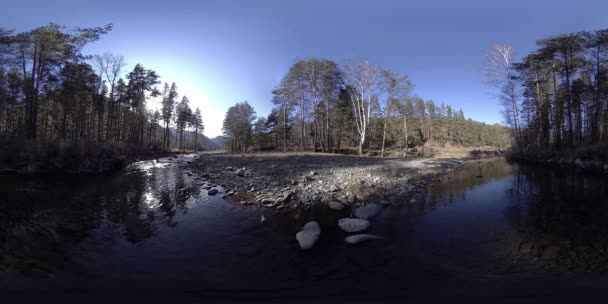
column 336, row 206
column 240, row 172
column 368, row 211
column 353, row 224
column 358, row 238
column 262, row 218
column 309, row 235
column 212, row 192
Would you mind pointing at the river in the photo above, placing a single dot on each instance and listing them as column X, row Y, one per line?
column 491, row 229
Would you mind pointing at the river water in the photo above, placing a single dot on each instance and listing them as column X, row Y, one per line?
column 490, row 229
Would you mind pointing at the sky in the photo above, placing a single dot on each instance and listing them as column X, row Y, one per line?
column 223, row 52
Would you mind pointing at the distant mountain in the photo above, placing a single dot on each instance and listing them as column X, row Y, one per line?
column 204, row 142
column 218, row 140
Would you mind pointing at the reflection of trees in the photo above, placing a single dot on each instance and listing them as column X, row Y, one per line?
column 38, row 225
column 41, row 220
column 455, row 185
column 566, row 217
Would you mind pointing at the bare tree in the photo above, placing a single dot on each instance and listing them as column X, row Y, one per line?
column 364, row 84
column 109, row 66
column 498, row 67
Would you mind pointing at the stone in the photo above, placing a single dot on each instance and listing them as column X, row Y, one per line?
column 240, row 172
column 313, row 173
column 368, row 211
column 309, row 235
column 358, row 238
column 336, row 206
column 286, row 196
column 333, row 188
column 353, row 224
column 228, row 168
column 212, row 192
column 413, row 200
column 578, row 162
column 268, row 201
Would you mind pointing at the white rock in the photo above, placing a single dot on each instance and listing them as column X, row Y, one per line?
column 353, row 224
column 358, row 238
column 309, row 235
column 336, row 206
column 368, row 211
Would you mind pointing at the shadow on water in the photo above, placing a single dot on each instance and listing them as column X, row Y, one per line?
column 42, row 219
column 564, row 218
column 491, row 222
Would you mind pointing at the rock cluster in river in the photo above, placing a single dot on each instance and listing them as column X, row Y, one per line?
column 299, row 181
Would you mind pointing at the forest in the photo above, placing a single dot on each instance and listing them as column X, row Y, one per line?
column 556, row 98
column 54, row 97
column 360, row 106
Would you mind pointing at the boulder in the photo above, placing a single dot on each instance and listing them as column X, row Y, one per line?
column 309, row 235
column 353, row 224
column 368, row 211
column 358, row 238
column 336, row 206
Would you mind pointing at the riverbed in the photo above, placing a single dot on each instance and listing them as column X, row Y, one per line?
column 491, row 230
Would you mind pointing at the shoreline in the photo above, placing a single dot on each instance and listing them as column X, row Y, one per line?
column 584, row 165
column 301, row 180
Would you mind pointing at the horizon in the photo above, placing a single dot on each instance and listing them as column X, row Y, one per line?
column 223, row 52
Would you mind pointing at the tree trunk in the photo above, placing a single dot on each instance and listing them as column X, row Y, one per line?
column 384, row 131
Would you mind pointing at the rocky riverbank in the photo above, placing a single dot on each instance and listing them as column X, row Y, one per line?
column 300, row 180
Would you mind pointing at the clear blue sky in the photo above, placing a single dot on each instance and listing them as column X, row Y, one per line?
column 223, row 52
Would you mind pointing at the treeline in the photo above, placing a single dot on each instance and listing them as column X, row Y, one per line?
column 50, row 92
column 321, row 106
column 556, row 98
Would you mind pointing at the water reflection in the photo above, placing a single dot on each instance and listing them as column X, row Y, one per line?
column 564, row 218
column 41, row 219
column 154, row 221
